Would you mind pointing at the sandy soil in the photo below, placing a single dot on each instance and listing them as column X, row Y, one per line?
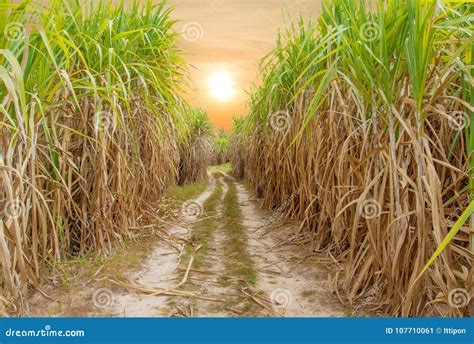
column 296, row 286
column 288, row 281
column 159, row 271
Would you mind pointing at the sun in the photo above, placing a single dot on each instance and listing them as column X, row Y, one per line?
column 221, row 86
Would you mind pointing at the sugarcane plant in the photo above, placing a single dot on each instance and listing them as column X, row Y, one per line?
column 361, row 114
column 90, row 117
column 197, row 149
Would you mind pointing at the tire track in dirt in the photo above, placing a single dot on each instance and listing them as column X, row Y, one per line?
column 247, row 272
column 240, row 269
column 216, row 281
column 239, row 266
column 296, row 286
column 159, row 271
column 210, row 283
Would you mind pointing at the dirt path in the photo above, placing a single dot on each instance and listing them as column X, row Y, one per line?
column 245, row 271
column 228, row 258
column 296, row 285
column 160, row 269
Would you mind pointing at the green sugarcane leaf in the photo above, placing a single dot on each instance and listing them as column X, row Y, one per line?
column 450, row 236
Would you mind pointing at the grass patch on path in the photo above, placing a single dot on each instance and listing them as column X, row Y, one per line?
column 239, row 260
column 188, row 191
column 202, row 230
column 224, row 168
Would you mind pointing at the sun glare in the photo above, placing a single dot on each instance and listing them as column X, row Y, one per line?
column 221, row 86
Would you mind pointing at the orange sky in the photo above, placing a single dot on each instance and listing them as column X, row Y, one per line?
column 230, row 35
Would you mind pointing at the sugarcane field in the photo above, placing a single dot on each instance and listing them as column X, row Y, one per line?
column 237, row 159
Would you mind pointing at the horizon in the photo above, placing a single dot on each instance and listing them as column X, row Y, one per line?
column 231, row 38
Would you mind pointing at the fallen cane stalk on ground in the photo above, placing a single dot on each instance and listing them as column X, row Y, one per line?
column 156, row 291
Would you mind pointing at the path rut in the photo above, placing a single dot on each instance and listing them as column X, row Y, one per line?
column 241, row 266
